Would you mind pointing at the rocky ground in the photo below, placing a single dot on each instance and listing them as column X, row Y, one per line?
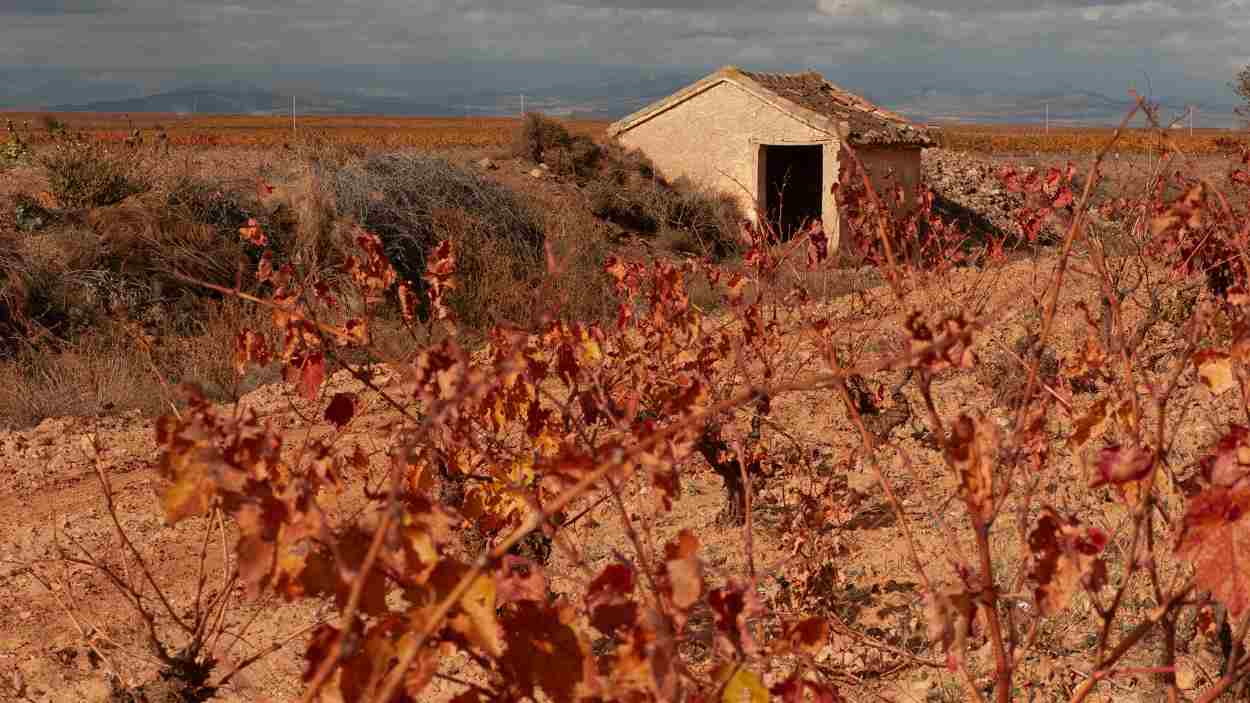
column 970, row 183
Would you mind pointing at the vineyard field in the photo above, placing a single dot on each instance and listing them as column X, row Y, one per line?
column 275, row 131
column 1033, row 139
column 485, row 132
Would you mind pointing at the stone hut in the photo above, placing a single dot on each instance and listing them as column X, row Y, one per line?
column 775, row 140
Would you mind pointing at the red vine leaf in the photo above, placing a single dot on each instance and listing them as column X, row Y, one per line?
column 1183, row 213
column 307, row 374
column 1065, row 554
column 732, row 605
column 1229, row 462
column 806, row 636
column 475, row 619
column 972, row 450
column 608, row 602
column 1215, row 539
column 341, row 409
column 682, row 580
column 545, row 652
column 792, row 689
column 951, row 617
column 1121, row 464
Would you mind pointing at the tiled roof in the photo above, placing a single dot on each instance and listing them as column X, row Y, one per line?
column 811, row 96
column 867, row 123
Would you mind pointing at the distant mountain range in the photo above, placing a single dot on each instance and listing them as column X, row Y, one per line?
column 611, row 94
column 607, row 100
column 249, row 100
column 1076, row 108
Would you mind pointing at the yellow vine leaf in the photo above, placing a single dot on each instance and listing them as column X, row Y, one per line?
column 479, row 624
column 589, row 351
column 745, row 687
column 1216, row 371
column 190, row 490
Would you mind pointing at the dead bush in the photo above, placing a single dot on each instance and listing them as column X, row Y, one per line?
column 631, row 206
column 127, row 261
column 98, row 375
column 413, row 201
column 537, row 134
column 544, row 140
column 578, row 288
column 620, row 163
column 117, row 366
column 55, row 284
column 688, row 218
column 83, row 173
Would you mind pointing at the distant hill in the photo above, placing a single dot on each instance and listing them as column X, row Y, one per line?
column 1076, row 108
column 610, row 98
column 243, row 99
column 614, row 95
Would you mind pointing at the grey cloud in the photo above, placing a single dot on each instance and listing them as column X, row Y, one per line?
column 54, row 8
column 1181, row 41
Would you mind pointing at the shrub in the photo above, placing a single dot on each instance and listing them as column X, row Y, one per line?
column 126, row 259
column 51, row 123
column 154, row 245
column 107, row 369
column 694, row 219
column 53, row 285
column 13, row 151
column 83, row 174
column 224, row 207
column 631, row 206
column 412, row 201
column 620, row 163
column 537, row 134
column 542, row 139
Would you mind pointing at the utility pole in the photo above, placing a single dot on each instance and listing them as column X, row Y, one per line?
column 292, row 116
column 1048, row 119
column 522, row 104
column 1191, row 121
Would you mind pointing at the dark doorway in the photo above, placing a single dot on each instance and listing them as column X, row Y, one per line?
column 793, row 185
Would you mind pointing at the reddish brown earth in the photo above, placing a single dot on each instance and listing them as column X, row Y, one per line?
column 51, row 499
column 51, row 504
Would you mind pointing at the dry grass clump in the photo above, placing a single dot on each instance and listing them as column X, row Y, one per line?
column 84, row 173
column 118, row 366
column 82, row 286
column 127, row 259
column 684, row 217
column 544, row 140
column 93, row 308
column 13, row 149
column 412, row 201
column 623, row 188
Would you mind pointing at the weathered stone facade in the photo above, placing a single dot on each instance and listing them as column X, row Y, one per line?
column 715, row 131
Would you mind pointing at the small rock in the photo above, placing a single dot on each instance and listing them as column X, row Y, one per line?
column 487, row 164
column 544, row 167
column 537, row 173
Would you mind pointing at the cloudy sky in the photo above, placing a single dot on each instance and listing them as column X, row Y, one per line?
column 1188, row 48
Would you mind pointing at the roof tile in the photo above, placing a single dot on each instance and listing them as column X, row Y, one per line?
column 868, row 124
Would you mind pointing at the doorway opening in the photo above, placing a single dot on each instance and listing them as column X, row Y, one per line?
column 792, row 185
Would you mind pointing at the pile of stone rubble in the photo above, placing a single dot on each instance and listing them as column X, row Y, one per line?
column 969, row 182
